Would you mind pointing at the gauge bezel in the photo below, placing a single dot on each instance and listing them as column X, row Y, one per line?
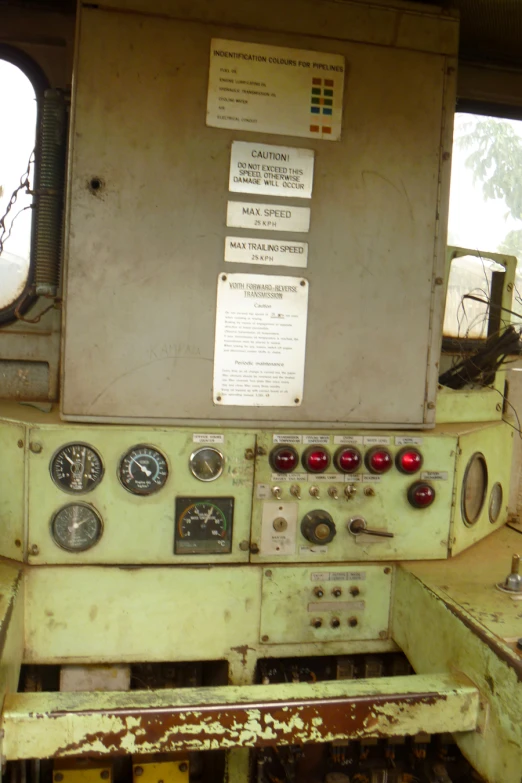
column 138, row 492
column 198, row 451
column 471, row 522
column 84, row 549
column 76, row 492
column 493, row 488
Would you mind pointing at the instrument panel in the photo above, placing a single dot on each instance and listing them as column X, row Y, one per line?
column 130, row 496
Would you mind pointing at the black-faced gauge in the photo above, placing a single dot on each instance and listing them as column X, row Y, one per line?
column 474, row 488
column 76, row 468
column 76, row 527
column 203, row 526
column 143, row 470
column 206, row 464
column 495, row 502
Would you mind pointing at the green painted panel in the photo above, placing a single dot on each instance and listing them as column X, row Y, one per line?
column 418, row 533
column 349, row 603
column 137, row 529
column 12, row 484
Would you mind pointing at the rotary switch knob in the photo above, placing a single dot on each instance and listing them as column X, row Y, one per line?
column 318, row 527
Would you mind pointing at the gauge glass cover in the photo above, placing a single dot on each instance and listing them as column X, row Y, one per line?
column 206, row 464
column 143, row 470
column 76, row 527
column 203, row 526
column 76, row 468
column 474, row 488
column 495, row 502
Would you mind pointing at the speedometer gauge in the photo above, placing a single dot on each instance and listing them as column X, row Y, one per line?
column 76, row 527
column 474, row 488
column 76, row 468
column 143, row 470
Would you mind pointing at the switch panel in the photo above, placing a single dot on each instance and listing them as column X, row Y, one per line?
column 325, row 604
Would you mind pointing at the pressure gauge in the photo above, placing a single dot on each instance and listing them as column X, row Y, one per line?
column 495, row 502
column 143, row 470
column 474, row 488
column 206, row 464
column 76, row 468
column 203, row 526
column 76, row 527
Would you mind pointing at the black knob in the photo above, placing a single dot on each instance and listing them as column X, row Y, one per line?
column 354, row 590
column 318, row 527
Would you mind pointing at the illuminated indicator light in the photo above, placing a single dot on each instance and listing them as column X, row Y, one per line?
column 328, row 93
column 316, row 90
column 326, row 129
column 409, row 460
column 315, row 459
column 421, row 495
column 327, row 111
column 314, row 128
column 284, row 459
column 317, row 81
column 328, row 83
column 315, row 110
column 378, row 460
column 347, row 460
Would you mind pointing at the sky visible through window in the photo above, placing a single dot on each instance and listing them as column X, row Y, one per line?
column 479, row 222
column 17, row 139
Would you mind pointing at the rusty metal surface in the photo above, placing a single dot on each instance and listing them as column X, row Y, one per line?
column 93, row 724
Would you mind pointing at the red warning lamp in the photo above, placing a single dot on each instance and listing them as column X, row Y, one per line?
column 378, row 460
column 421, row 495
column 284, row 459
column 347, row 460
column 315, row 459
column 409, row 460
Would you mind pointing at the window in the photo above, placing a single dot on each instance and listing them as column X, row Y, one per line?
column 485, row 214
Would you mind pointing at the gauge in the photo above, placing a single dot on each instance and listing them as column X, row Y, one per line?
column 76, row 527
column 206, row 464
column 495, row 502
column 474, row 487
column 143, row 470
column 203, row 526
column 76, row 467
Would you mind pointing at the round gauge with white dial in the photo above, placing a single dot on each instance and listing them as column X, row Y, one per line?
column 474, row 488
column 143, row 470
column 495, row 502
column 76, row 527
column 76, row 468
column 207, row 463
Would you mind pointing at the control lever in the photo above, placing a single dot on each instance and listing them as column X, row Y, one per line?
column 357, row 525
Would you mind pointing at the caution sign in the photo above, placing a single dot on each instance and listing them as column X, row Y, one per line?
column 271, row 170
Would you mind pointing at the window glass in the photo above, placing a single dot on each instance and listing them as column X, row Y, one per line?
column 17, row 140
column 485, row 214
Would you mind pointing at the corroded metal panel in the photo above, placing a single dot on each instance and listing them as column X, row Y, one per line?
column 12, row 502
column 44, row 725
column 458, row 642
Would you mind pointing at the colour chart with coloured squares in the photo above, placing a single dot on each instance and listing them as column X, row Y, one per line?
column 322, row 105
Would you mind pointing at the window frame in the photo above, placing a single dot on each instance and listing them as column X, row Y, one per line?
column 40, row 84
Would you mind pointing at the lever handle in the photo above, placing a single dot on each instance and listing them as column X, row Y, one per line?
column 358, row 525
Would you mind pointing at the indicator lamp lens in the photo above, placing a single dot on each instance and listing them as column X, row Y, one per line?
column 409, row 460
column 378, row 460
column 421, row 495
column 284, row 459
column 347, row 460
column 316, row 459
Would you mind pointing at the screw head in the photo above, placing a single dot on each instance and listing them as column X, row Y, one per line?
column 138, row 771
column 265, row 638
column 58, row 777
column 519, row 644
column 183, row 766
column 387, row 570
column 244, row 546
column 104, row 774
column 317, row 622
column 35, row 447
column 318, row 592
column 35, row 550
column 335, row 623
column 337, row 591
column 20, row 444
column 353, row 621
column 268, row 573
column 430, row 406
column 354, row 590
column 254, row 549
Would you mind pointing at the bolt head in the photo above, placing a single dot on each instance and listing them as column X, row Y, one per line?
column 183, row 767
column 519, row 644
column 244, row 546
column 58, row 777
column 138, row 771
column 105, row 774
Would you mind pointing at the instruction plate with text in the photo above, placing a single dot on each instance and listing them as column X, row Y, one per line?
column 260, row 344
column 274, row 89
